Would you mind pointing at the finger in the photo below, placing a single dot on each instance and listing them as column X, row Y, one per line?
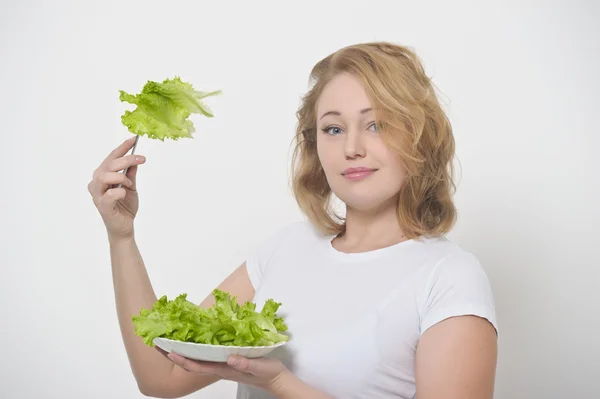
column 241, row 363
column 109, row 179
column 259, row 366
column 120, row 164
column 110, row 198
column 120, row 150
column 106, row 180
column 199, row 367
column 162, row 351
column 187, row 364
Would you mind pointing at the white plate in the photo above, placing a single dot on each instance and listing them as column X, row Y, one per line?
column 213, row 353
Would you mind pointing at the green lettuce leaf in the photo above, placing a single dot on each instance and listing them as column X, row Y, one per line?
column 225, row 323
column 163, row 109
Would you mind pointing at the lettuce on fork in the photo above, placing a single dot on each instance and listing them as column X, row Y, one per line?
column 163, row 109
column 224, row 323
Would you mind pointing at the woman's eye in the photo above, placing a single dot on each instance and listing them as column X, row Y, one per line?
column 333, row 130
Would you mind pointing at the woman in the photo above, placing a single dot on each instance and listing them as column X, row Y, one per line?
column 379, row 304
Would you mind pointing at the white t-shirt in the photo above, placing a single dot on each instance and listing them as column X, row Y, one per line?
column 355, row 319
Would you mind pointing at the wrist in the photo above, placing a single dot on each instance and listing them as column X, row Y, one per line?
column 289, row 386
column 284, row 385
column 120, row 240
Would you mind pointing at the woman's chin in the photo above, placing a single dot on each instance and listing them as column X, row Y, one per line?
column 366, row 203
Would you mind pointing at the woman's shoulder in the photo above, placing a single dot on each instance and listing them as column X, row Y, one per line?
column 452, row 266
column 286, row 236
column 292, row 231
column 455, row 283
column 285, row 240
column 445, row 253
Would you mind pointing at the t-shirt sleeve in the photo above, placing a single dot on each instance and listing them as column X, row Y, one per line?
column 257, row 261
column 458, row 286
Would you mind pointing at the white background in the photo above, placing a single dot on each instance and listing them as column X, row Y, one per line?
column 519, row 80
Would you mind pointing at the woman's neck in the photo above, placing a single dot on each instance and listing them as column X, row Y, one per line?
column 369, row 231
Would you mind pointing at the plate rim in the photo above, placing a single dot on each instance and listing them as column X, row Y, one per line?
column 177, row 342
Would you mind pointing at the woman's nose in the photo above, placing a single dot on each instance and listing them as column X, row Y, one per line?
column 353, row 145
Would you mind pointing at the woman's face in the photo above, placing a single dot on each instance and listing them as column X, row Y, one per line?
column 360, row 168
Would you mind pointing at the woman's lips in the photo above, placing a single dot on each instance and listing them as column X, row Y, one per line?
column 358, row 173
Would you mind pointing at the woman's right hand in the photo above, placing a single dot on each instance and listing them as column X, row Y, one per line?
column 117, row 205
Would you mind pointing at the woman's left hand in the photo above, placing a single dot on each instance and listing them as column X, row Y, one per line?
column 264, row 373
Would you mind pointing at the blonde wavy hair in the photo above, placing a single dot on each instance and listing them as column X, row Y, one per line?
column 410, row 119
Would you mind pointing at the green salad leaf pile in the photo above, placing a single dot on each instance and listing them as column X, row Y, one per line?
column 163, row 109
column 225, row 323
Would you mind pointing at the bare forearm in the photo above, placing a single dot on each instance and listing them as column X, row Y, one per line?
column 133, row 291
column 156, row 375
column 292, row 387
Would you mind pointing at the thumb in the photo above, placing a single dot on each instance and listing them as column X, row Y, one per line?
column 263, row 367
column 245, row 365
